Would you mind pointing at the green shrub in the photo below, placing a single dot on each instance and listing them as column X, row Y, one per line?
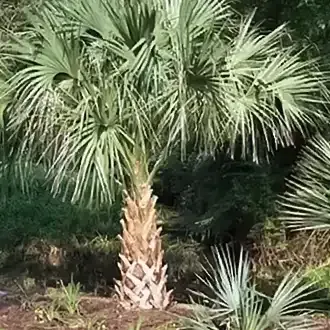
column 217, row 197
column 24, row 218
column 320, row 275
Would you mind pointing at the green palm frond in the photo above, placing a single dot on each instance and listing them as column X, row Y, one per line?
column 99, row 84
column 236, row 303
column 91, row 16
column 36, row 102
column 306, row 204
column 96, row 152
column 250, row 90
column 266, row 73
column 227, row 281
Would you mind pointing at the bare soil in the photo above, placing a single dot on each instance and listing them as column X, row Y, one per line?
column 105, row 312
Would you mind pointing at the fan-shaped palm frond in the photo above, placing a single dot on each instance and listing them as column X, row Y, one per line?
column 237, row 304
column 250, row 90
column 306, row 204
column 101, row 83
column 84, row 125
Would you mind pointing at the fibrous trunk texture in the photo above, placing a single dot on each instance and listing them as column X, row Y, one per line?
column 143, row 275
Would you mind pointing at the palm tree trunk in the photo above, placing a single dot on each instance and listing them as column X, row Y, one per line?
column 143, row 275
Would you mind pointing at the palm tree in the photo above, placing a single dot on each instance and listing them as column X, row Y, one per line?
column 104, row 90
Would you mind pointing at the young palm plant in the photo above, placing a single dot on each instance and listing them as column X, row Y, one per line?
column 104, row 90
column 236, row 304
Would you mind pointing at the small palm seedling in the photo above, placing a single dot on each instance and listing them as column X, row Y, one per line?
column 236, row 304
column 70, row 296
column 63, row 304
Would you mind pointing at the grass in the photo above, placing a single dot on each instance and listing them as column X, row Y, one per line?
column 62, row 306
column 320, row 274
column 169, row 326
column 68, row 307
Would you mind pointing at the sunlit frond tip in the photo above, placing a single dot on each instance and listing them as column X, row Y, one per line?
column 306, row 204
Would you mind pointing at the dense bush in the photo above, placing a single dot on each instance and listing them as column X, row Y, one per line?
column 217, row 197
column 42, row 216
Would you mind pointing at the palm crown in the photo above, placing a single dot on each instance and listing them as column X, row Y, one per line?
column 101, row 84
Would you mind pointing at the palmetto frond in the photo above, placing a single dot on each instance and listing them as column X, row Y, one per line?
column 306, row 204
column 245, row 88
column 101, row 82
column 237, row 304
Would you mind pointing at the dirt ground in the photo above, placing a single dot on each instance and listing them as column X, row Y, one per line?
column 101, row 313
